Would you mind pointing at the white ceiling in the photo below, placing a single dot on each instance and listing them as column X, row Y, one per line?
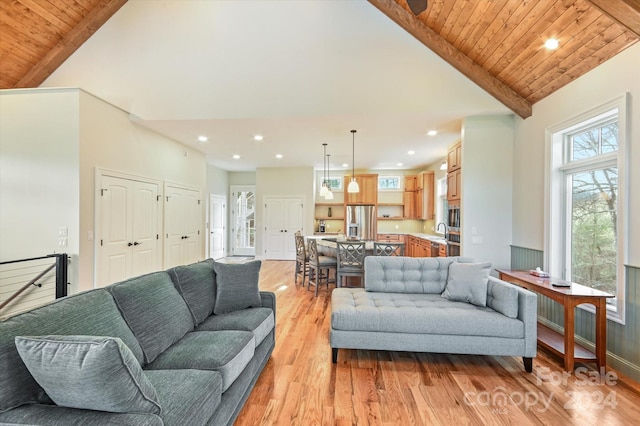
column 301, row 73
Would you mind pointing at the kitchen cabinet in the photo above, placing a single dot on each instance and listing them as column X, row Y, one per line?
column 453, row 186
column 454, row 173
column 409, row 200
column 410, row 183
column 424, row 196
column 368, row 190
column 409, row 197
column 442, row 250
column 391, row 238
column 454, row 157
column 417, row 247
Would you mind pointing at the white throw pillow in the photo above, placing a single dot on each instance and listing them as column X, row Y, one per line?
column 467, row 282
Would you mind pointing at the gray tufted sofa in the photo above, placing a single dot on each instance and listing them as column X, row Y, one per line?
column 401, row 308
column 193, row 340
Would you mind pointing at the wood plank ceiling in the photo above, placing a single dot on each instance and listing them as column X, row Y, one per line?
column 498, row 44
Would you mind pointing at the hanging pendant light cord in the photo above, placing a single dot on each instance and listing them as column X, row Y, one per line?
column 353, row 154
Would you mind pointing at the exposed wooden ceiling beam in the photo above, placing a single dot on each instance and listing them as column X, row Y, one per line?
column 624, row 12
column 70, row 43
column 454, row 57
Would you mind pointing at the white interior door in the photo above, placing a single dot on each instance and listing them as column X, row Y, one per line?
column 217, row 214
column 275, row 231
column 183, row 221
column 113, row 253
column 127, row 228
column 283, row 217
column 145, row 236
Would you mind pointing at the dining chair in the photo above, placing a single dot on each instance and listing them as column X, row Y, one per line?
column 388, row 249
column 319, row 266
column 302, row 259
column 350, row 260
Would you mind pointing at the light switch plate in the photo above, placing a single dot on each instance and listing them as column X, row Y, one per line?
column 63, row 231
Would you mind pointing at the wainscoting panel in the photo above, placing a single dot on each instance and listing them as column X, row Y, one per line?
column 623, row 341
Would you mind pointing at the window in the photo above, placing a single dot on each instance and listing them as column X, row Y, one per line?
column 389, row 183
column 586, row 219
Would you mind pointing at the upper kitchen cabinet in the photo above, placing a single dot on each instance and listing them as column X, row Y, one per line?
column 454, row 174
column 425, row 196
column 368, row 190
column 454, row 157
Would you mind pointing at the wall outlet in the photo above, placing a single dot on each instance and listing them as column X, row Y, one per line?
column 90, row 235
column 397, row 227
column 63, row 242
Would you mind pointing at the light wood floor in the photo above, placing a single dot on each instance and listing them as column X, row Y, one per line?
column 300, row 385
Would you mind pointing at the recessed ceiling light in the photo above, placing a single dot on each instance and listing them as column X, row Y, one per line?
column 551, row 44
column 278, row 156
column 236, row 156
column 399, row 164
column 345, row 165
column 258, row 137
column 203, row 138
column 432, row 132
column 411, row 152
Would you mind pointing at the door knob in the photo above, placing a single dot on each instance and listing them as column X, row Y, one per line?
column 129, row 244
column 136, row 243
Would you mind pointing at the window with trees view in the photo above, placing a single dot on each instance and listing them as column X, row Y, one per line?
column 586, row 202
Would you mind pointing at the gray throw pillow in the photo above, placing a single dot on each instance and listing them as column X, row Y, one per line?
column 237, row 286
column 89, row 372
column 467, row 282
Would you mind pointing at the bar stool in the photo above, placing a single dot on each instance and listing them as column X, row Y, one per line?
column 388, row 249
column 350, row 260
column 302, row 259
column 319, row 264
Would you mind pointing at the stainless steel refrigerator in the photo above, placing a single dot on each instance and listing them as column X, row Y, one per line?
column 361, row 222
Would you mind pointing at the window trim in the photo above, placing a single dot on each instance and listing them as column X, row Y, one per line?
column 555, row 168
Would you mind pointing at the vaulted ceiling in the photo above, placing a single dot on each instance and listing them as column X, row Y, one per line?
column 498, row 45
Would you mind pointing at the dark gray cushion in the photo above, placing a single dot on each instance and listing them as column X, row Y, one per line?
column 227, row 352
column 467, row 282
column 197, row 285
column 89, row 313
column 89, row 372
column 33, row 414
column 188, row 397
column 259, row 321
column 237, row 286
column 154, row 310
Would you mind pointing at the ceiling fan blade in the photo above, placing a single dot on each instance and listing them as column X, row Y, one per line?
column 417, row 6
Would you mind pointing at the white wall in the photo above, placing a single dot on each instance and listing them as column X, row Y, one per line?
column 51, row 141
column 283, row 182
column 611, row 79
column 486, row 190
column 39, row 179
column 109, row 140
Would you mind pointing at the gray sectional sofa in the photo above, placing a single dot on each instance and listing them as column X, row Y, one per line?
column 443, row 305
column 178, row 347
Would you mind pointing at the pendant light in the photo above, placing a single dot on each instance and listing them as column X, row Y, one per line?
column 323, row 188
column 329, row 195
column 353, row 185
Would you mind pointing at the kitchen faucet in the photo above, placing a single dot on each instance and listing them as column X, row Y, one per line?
column 446, row 229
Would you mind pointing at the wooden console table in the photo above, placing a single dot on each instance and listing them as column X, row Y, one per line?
column 569, row 298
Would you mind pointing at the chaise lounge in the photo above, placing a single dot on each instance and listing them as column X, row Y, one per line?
column 443, row 305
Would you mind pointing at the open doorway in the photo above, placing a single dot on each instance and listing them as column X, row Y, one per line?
column 243, row 217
